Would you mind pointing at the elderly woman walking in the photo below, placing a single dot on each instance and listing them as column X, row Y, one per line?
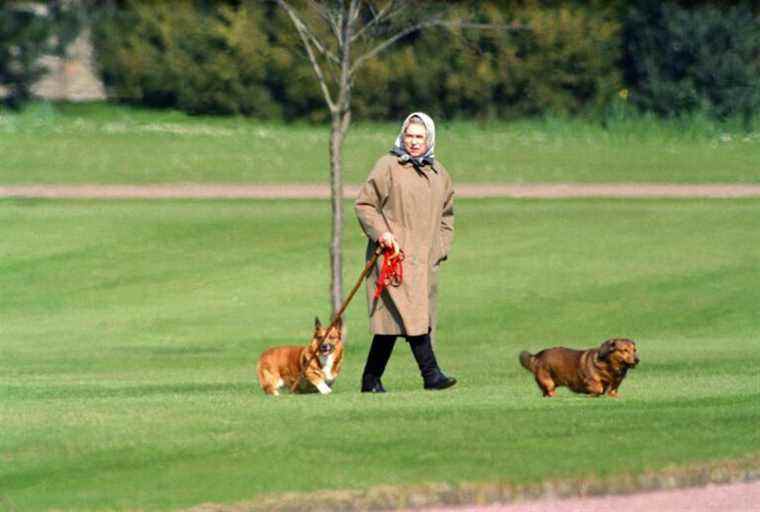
column 407, row 204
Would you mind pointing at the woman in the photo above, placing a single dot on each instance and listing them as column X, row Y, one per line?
column 407, row 204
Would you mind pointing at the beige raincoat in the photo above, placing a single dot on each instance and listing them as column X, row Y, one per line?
column 416, row 204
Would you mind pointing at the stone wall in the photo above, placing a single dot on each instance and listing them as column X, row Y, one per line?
column 72, row 78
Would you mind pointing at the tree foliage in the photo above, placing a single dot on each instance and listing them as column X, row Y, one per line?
column 535, row 59
column 680, row 60
column 175, row 54
column 542, row 57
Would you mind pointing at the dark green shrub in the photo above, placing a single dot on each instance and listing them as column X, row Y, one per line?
column 536, row 60
column 678, row 60
column 566, row 62
column 289, row 75
column 245, row 58
column 174, row 54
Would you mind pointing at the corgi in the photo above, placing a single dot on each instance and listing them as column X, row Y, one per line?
column 308, row 369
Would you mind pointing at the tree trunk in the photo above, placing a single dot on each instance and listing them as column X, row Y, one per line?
column 341, row 119
column 338, row 129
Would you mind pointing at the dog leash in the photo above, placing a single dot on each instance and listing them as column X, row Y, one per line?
column 392, row 276
column 367, row 269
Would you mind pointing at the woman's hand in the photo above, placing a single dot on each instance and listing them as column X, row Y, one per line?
column 387, row 240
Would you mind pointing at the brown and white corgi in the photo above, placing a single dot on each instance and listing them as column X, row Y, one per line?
column 303, row 369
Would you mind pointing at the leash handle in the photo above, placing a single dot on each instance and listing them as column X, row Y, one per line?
column 391, row 272
column 367, row 269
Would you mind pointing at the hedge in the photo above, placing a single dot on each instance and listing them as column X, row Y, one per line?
column 557, row 58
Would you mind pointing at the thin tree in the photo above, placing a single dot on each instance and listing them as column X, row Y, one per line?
column 339, row 37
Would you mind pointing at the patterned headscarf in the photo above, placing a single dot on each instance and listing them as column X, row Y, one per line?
column 400, row 150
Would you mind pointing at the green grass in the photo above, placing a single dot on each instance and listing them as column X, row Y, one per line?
column 130, row 332
column 96, row 143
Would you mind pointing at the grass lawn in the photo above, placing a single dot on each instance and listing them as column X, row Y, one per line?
column 130, row 332
column 96, row 143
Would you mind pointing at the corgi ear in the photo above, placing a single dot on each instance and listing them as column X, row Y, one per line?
column 317, row 323
column 339, row 323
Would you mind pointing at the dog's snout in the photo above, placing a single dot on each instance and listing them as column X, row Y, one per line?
column 325, row 347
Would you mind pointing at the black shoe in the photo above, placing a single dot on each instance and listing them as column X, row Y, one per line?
column 432, row 376
column 440, row 382
column 372, row 384
column 379, row 353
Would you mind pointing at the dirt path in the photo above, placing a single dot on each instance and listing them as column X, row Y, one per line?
column 672, row 492
column 739, row 497
column 242, row 191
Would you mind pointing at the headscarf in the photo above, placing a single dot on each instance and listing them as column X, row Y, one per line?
column 400, row 150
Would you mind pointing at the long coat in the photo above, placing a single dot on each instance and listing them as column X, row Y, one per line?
column 416, row 204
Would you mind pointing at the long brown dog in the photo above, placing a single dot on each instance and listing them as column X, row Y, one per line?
column 596, row 371
column 303, row 369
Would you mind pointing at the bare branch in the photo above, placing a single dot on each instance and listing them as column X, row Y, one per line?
column 304, row 33
column 314, row 39
column 437, row 21
column 486, row 26
column 323, row 12
column 391, row 40
column 346, row 30
column 353, row 12
column 329, row 15
column 336, row 21
column 377, row 17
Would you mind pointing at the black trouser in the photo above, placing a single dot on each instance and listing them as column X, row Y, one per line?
column 382, row 347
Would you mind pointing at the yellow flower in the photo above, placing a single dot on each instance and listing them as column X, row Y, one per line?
column 623, row 94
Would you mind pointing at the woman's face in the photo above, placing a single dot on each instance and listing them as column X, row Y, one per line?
column 415, row 140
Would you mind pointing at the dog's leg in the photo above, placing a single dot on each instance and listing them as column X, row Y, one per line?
column 317, row 380
column 270, row 389
column 547, row 387
column 323, row 387
column 545, row 382
column 594, row 388
column 269, row 382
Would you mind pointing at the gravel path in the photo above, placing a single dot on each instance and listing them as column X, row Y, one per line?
column 739, row 497
column 225, row 191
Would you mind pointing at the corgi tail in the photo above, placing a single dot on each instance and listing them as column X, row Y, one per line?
column 527, row 360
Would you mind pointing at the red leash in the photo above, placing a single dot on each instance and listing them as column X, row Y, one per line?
column 391, row 274
column 391, row 271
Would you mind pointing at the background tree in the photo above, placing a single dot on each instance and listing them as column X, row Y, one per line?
column 681, row 60
column 243, row 57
